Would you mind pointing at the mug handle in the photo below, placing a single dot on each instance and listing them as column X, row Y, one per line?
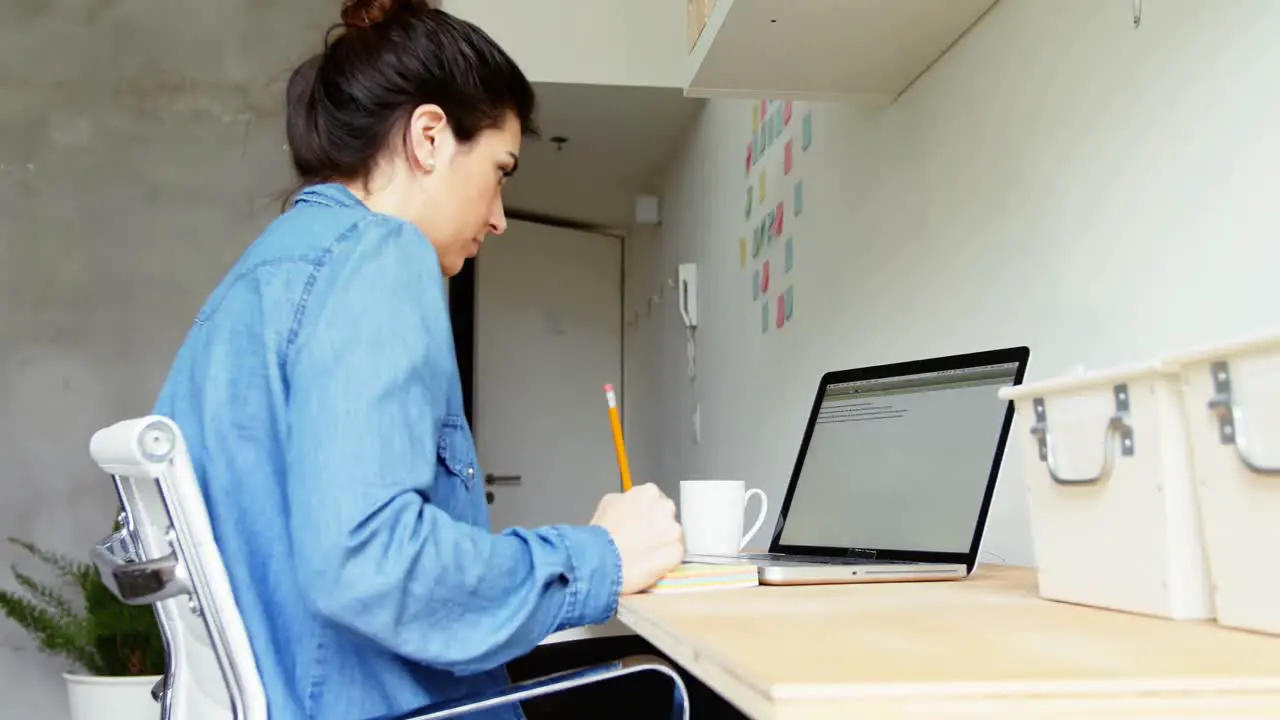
column 764, row 508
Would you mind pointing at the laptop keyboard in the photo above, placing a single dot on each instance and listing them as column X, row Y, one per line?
column 817, row 560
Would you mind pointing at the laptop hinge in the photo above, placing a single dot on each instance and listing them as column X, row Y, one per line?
column 861, row 554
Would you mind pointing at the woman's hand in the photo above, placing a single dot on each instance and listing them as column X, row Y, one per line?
column 643, row 525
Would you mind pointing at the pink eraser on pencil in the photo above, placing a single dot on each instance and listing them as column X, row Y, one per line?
column 608, row 388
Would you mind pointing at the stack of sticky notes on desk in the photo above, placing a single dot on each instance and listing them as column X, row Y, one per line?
column 697, row 577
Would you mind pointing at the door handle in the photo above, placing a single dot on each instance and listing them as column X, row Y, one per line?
column 491, row 479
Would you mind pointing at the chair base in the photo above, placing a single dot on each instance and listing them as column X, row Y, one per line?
column 558, row 682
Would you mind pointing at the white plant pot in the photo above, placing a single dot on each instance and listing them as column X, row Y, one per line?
column 112, row 698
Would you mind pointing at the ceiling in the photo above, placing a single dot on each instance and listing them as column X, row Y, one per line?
column 619, row 142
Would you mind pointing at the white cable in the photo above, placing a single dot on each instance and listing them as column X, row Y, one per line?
column 692, row 352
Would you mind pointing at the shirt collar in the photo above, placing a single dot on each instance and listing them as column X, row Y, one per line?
column 329, row 194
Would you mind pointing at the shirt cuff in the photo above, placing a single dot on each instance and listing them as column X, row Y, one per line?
column 594, row 576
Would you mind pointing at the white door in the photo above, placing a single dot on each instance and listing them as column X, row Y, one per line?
column 548, row 337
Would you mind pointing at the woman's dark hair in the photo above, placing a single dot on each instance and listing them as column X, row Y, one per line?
column 390, row 56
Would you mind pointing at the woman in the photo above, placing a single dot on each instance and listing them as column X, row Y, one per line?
column 318, row 391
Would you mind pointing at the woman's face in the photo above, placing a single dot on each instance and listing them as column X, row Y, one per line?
column 452, row 191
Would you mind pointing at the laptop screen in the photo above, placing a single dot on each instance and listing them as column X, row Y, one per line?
column 900, row 463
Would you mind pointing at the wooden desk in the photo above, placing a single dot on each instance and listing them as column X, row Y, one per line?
column 984, row 647
column 613, row 628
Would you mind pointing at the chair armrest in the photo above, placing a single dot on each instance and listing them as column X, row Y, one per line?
column 134, row 581
column 558, row 682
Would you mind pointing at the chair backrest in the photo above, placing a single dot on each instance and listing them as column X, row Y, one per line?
column 165, row 555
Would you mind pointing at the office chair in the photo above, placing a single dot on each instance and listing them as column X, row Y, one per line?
column 164, row 555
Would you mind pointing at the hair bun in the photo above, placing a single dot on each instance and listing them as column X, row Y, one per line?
column 365, row 13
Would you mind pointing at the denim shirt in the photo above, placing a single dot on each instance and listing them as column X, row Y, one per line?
column 318, row 392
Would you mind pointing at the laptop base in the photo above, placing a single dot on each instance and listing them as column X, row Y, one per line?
column 782, row 570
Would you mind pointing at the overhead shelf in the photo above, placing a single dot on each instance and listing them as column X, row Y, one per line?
column 819, row 49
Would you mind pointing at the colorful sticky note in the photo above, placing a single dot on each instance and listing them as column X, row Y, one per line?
column 764, row 108
column 750, row 157
column 778, row 213
column 799, row 199
column 788, row 260
column 782, row 310
column 755, row 118
column 806, row 132
column 764, row 316
column 764, row 277
column 742, row 252
column 786, row 113
column 777, row 125
column 788, row 159
column 791, row 304
column 757, row 242
column 764, row 177
column 749, row 198
column 755, row 284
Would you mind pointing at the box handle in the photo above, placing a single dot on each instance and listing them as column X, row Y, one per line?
column 1228, row 414
column 1118, row 427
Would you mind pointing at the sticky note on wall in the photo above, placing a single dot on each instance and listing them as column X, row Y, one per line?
column 791, row 305
column 782, row 310
column 806, row 132
column 764, row 277
column 788, row 159
column 786, row 113
column 742, row 251
column 789, row 257
column 798, row 201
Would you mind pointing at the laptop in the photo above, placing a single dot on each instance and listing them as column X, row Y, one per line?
column 895, row 473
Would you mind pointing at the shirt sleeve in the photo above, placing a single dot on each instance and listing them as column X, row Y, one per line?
column 368, row 378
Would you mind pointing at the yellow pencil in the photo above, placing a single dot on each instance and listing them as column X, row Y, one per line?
column 616, row 421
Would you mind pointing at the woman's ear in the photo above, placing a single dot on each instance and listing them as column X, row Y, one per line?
column 427, row 127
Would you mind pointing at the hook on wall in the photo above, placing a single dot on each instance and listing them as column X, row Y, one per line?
column 669, row 284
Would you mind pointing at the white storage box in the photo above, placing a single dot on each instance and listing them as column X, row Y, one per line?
column 1114, row 520
column 1232, row 398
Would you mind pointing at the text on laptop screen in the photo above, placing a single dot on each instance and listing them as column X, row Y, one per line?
column 900, row 463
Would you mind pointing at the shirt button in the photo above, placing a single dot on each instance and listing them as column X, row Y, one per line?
column 471, row 472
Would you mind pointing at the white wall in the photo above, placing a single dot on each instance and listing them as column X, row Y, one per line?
column 1061, row 180
column 602, row 42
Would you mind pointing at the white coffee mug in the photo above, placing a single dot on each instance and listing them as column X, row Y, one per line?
column 711, row 513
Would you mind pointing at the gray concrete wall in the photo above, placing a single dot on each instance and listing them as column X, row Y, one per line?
column 141, row 149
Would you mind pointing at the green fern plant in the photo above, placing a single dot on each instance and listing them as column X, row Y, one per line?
column 95, row 631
